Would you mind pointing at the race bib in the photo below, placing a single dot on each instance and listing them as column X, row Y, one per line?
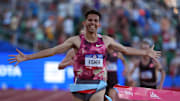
column 146, row 75
column 112, row 67
column 94, row 60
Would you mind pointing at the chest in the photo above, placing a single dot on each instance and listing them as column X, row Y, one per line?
column 149, row 67
column 92, row 48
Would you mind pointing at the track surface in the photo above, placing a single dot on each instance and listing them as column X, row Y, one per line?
column 35, row 95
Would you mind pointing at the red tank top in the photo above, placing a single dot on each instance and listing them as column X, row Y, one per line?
column 90, row 60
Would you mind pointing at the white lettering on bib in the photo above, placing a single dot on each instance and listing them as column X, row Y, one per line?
column 146, row 75
column 94, row 60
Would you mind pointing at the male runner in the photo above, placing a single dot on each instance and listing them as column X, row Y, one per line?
column 90, row 63
column 148, row 69
column 112, row 78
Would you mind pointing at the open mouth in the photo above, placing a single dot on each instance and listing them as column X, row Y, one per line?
column 92, row 27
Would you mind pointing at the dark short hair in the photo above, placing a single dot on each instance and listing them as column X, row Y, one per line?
column 92, row 12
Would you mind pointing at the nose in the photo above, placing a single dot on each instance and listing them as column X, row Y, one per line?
column 92, row 22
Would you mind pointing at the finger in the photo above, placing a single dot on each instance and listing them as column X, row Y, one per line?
column 152, row 46
column 159, row 52
column 12, row 55
column 19, row 51
column 16, row 64
column 157, row 57
column 12, row 61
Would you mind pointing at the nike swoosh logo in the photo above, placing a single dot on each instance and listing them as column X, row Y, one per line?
column 98, row 45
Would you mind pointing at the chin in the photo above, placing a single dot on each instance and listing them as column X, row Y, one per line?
column 90, row 31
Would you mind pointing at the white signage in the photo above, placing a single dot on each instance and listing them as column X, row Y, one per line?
column 52, row 74
column 10, row 70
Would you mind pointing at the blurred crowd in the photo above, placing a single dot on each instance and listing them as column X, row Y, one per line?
column 50, row 22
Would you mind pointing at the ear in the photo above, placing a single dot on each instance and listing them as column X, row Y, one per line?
column 99, row 25
column 83, row 23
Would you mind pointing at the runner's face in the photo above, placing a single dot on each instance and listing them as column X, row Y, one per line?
column 92, row 23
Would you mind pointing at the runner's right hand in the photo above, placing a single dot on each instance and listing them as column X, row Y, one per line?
column 17, row 58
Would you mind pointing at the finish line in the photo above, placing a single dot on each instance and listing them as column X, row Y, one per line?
column 146, row 94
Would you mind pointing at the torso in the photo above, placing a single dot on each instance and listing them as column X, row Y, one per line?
column 90, row 59
column 147, row 72
column 77, row 42
column 112, row 62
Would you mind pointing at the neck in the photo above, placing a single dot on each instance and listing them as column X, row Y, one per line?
column 91, row 37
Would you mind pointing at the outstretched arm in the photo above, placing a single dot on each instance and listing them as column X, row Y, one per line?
column 68, row 60
column 132, row 51
column 44, row 53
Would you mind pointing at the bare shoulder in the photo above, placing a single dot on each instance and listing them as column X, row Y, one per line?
column 74, row 38
column 107, row 40
column 157, row 64
column 105, row 37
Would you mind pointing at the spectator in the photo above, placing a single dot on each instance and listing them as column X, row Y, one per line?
column 68, row 26
column 178, row 33
column 175, row 64
column 50, row 27
column 7, row 18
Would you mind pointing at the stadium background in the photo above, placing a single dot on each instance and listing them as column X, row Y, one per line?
column 33, row 25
